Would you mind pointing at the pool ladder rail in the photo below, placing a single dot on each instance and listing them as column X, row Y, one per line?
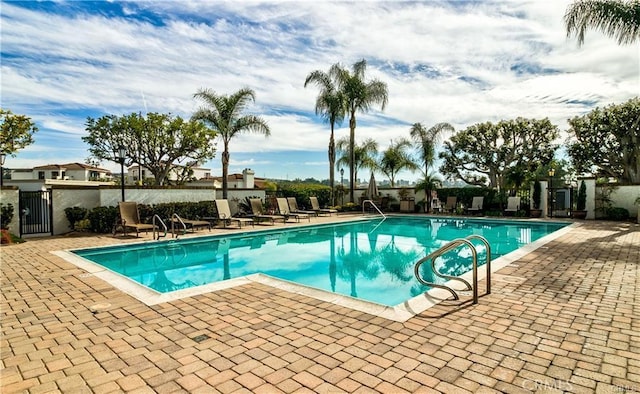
column 364, row 203
column 455, row 244
column 175, row 232
column 176, row 219
column 156, row 234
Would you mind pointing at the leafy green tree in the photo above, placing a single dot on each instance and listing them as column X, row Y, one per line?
column 364, row 154
column 606, row 141
column 487, row 151
column 155, row 141
column 17, row 132
column 397, row 158
column 618, row 19
column 359, row 96
column 329, row 104
column 426, row 140
column 223, row 114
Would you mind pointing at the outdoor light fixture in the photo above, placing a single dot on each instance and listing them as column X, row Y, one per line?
column 120, row 155
column 2, row 157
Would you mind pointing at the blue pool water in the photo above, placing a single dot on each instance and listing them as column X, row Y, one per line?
column 371, row 259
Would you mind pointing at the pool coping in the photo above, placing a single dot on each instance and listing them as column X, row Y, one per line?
column 399, row 313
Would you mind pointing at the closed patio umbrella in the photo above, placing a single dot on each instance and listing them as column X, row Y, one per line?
column 372, row 190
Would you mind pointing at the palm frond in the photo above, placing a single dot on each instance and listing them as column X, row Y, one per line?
column 617, row 19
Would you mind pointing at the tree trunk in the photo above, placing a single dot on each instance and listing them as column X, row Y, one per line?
column 332, row 161
column 225, row 170
column 352, row 154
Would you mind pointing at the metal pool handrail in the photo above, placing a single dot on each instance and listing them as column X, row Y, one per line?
column 447, row 248
column 164, row 226
column 173, row 222
column 373, row 205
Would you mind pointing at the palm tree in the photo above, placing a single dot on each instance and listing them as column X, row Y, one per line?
column 396, row 158
column 426, row 140
column 223, row 115
column 429, row 183
column 364, row 155
column 618, row 19
column 329, row 104
column 359, row 96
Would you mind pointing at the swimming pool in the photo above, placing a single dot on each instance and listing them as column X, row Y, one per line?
column 369, row 259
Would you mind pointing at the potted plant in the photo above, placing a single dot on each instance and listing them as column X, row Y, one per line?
column 581, row 202
column 536, row 212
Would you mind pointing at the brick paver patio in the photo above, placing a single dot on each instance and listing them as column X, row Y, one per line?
column 564, row 318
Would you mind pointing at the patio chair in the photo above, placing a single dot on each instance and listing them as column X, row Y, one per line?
column 130, row 218
column 293, row 207
column 513, row 205
column 283, row 208
column 450, row 205
column 315, row 205
column 189, row 224
column 260, row 216
column 224, row 214
column 476, row 205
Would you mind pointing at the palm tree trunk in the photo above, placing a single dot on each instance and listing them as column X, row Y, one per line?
column 352, row 153
column 225, row 170
column 427, row 191
column 332, row 164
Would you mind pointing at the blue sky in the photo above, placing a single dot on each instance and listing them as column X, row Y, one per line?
column 444, row 61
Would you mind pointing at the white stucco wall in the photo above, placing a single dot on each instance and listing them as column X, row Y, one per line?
column 9, row 195
column 625, row 197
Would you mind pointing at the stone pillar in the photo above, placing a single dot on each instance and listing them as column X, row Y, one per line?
column 544, row 198
column 590, row 206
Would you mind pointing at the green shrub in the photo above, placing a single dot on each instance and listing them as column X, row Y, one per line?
column 75, row 214
column 537, row 194
column 465, row 194
column 6, row 215
column 102, row 219
column 581, row 200
column 302, row 192
column 617, row 213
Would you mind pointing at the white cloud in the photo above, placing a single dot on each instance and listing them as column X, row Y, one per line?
column 461, row 63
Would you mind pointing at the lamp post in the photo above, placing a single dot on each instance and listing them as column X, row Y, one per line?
column 342, row 184
column 2, row 157
column 551, row 174
column 120, row 155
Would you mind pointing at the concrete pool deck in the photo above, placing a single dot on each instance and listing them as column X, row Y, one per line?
column 564, row 317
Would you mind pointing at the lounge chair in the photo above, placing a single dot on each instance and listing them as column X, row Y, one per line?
column 258, row 213
column 436, row 207
column 315, row 205
column 130, row 218
column 189, row 224
column 283, row 208
column 450, row 206
column 476, row 205
column 224, row 214
column 293, row 207
column 513, row 205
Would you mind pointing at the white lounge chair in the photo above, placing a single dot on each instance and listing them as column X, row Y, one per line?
column 513, row 205
column 476, row 205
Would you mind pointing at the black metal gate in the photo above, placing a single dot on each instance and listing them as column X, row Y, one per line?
column 36, row 213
